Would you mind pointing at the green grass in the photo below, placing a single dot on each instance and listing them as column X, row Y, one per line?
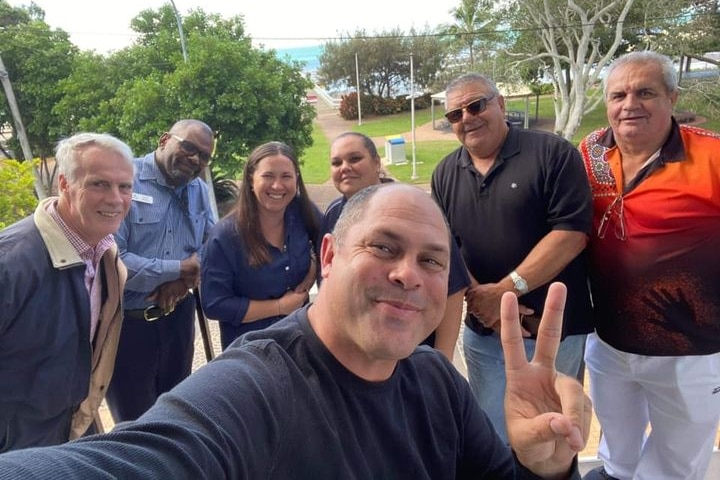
column 378, row 126
column 316, row 167
column 427, row 156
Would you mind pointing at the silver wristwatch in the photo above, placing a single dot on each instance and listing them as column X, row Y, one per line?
column 519, row 283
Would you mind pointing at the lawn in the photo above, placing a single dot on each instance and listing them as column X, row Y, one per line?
column 315, row 167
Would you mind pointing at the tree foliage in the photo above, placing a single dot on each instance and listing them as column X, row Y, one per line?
column 573, row 42
column 383, row 61
column 246, row 94
column 685, row 27
column 37, row 58
column 475, row 30
column 17, row 200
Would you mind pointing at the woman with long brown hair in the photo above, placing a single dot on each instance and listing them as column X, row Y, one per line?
column 258, row 263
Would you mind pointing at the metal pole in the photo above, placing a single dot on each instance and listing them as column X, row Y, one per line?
column 357, row 82
column 206, row 174
column 414, row 175
column 203, row 325
column 180, row 30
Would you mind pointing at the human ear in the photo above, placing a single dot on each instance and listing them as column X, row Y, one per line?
column 327, row 254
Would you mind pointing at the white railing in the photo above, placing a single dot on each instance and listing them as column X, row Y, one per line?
column 326, row 97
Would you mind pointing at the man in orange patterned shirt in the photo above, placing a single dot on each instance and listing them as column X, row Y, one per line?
column 655, row 278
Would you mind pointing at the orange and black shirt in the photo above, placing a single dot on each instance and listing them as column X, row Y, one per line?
column 655, row 245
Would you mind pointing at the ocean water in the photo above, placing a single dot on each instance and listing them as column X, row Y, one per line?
column 309, row 56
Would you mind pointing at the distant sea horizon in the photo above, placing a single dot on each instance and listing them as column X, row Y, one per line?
column 309, row 55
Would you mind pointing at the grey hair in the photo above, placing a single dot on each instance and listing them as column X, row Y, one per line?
column 67, row 152
column 643, row 57
column 469, row 79
column 183, row 125
column 354, row 211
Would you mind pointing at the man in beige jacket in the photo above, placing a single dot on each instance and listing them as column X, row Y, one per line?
column 61, row 283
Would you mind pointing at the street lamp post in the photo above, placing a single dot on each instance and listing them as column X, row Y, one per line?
column 180, row 31
column 357, row 82
column 414, row 175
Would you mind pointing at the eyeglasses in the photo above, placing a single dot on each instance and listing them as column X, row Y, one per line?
column 473, row 108
column 616, row 208
column 193, row 150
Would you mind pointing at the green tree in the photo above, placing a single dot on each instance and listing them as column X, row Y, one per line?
column 37, row 58
column 574, row 40
column 246, row 94
column 383, row 60
column 474, row 29
column 17, row 199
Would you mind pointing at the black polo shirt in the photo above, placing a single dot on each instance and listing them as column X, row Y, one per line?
column 537, row 184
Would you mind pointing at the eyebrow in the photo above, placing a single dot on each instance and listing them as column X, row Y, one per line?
column 432, row 247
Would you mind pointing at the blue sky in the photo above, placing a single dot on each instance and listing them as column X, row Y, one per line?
column 103, row 25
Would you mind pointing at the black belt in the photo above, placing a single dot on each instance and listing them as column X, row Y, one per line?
column 150, row 313
column 474, row 324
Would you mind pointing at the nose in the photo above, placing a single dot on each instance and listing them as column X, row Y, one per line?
column 406, row 273
column 195, row 158
column 115, row 194
column 277, row 183
column 631, row 102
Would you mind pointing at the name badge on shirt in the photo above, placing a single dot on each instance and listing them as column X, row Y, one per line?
column 139, row 197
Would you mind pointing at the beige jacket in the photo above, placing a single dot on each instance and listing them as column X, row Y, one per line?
column 107, row 335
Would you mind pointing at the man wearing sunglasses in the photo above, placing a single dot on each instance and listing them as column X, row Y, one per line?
column 168, row 220
column 518, row 203
column 655, row 356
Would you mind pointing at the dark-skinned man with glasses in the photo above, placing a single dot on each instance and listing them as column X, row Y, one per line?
column 654, row 359
column 518, row 204
column 159, row 242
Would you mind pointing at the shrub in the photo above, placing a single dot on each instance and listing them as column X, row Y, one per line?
column 348, row 106
column 375, row 105
column 17, row 198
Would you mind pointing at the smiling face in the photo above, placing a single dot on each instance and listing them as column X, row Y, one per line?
column 482, row 134
column 274, row 183
column 639, row 106
column 385, row 283
column 352, row 166
column 95, row 204
column 180, row 165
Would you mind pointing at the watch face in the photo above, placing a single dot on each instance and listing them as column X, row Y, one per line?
column 520, row 284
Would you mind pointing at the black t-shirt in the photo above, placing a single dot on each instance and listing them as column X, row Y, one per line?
column 537, row 184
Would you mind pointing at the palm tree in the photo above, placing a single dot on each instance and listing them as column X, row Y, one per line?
column 471, row 18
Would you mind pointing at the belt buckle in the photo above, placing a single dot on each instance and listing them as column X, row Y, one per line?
column 153, row 312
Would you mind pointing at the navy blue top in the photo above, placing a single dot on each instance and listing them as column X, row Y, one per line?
column 228, row 282
column 277, row 405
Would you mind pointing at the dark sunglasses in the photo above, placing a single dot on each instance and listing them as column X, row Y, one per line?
column 191, row 149
column 473, row 108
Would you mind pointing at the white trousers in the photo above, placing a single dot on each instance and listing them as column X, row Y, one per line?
column 678, row 397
